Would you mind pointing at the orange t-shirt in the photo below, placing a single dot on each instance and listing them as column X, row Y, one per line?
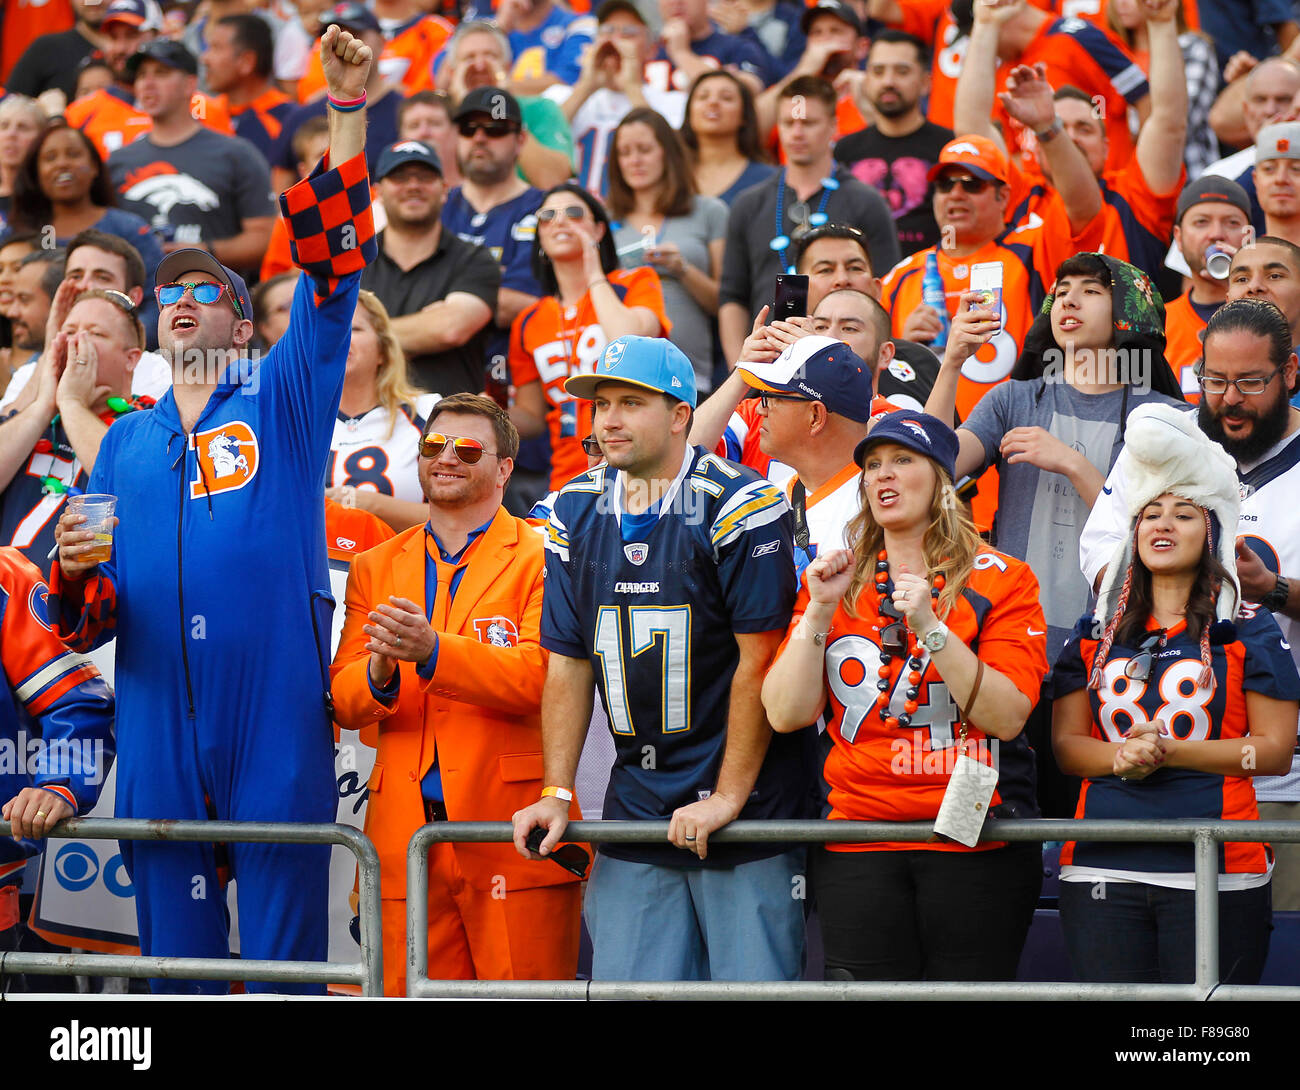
column 549, row 344
column 27, row 20
column 1184, row 329
column 407, row 58
column 1022, row 292
column 1075, row 52
column 349, row 530
column 111, row 120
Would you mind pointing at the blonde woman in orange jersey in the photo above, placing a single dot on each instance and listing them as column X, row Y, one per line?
column 918, row 620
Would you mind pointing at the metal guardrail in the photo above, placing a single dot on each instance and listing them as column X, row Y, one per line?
column 1205, row 835
column 369, row 973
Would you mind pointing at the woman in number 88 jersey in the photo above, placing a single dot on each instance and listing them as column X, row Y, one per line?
column 919, row 619
column 1167, row 712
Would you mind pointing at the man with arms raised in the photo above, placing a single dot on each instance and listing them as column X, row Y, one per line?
column 222, row 616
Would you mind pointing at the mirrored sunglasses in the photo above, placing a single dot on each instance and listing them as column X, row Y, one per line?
column 469, row 451
column 573, row 211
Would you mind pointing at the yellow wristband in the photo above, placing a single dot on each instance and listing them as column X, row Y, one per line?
column 561, row 793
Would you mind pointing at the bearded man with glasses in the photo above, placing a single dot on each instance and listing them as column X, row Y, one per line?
column 441, row 658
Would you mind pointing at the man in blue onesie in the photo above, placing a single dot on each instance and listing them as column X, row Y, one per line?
column 217, row 588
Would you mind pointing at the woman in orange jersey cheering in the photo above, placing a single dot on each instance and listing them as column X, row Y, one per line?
column 589, row 302
column 918, row 621
column 1167, row 713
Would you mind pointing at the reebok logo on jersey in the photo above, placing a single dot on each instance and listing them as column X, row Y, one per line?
column 498, row 631
column 637, row 552
column 227, row 459
column 766, row 549
column 636, row 588
column 345, row 543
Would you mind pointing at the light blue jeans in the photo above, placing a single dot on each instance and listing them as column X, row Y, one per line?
column 649, row 922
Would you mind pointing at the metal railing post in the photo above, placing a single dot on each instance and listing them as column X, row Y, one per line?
column 368, row 974
column 1207, row 911
column 1206, row 837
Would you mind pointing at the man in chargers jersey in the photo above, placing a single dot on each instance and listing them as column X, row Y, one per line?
column 668, row 572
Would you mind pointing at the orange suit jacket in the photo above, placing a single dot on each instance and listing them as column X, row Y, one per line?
column 480, row 713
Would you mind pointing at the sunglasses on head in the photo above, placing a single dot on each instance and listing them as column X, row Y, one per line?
column 592, row 448
column 206, row 293
column 468, row 451
column 493, row 129
column 1138, row 668
column 573, row 211
column 119, row 299
column 946, row 183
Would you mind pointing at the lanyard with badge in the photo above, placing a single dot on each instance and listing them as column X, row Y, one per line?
column 799, row 213
column 970, row 787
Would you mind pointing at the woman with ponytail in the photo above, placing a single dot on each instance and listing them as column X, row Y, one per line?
column 1167, row 703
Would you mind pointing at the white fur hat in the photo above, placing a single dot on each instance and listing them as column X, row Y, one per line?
column 1170, row 453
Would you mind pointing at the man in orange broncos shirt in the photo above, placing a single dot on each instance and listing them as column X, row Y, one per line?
column 1075, row 53
column 1211, row 211
column 972, row 193
column 1138, row 195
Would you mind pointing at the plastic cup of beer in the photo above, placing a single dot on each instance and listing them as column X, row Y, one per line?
column 98, row 510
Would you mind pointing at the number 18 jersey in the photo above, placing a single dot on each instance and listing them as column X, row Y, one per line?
column 653, row 601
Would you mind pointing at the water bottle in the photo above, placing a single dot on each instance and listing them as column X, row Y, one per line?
column 933, row 295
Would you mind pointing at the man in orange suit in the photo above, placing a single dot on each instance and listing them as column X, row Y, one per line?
column 441, row 662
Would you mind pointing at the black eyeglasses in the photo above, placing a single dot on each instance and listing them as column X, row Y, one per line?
column 592, row 448
column 573, row 211
column 1247, row 387
column 946, row 183
column 765, row 398
column 494, row 129
column 1138, row 668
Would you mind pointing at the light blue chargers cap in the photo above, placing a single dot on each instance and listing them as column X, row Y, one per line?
column 652, row 362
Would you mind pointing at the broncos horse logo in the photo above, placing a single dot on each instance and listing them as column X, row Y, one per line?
column 226, row 458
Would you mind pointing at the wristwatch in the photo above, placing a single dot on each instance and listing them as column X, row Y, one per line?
column 1050, row 133
column 1275, row 600
column 935, row 639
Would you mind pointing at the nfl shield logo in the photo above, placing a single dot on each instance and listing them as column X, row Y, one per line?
column 637, row 552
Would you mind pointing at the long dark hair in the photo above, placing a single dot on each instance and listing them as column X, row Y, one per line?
column 541, row 264
column 748, row 140
column 676, row 189
column 31, row 208
column 1210, row 575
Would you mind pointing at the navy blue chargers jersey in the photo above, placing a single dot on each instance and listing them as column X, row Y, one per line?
column 1257, row 661
column 653, row 601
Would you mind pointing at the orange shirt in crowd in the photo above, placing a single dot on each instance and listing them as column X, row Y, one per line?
column 1022, row 292
column 350, row 530
column 1075, row 52
column 549, row 344
column 1184, row 328
column 1134, row 223
column 109, row 117
column 407, row 58
column 27, row 20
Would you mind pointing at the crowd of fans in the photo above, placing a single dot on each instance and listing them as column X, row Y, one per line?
column 547, row 179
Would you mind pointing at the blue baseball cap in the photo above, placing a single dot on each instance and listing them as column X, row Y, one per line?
column 653, row 362
column 407, row 151
column 820, row 369
column 179, row 262
column 920, row 432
